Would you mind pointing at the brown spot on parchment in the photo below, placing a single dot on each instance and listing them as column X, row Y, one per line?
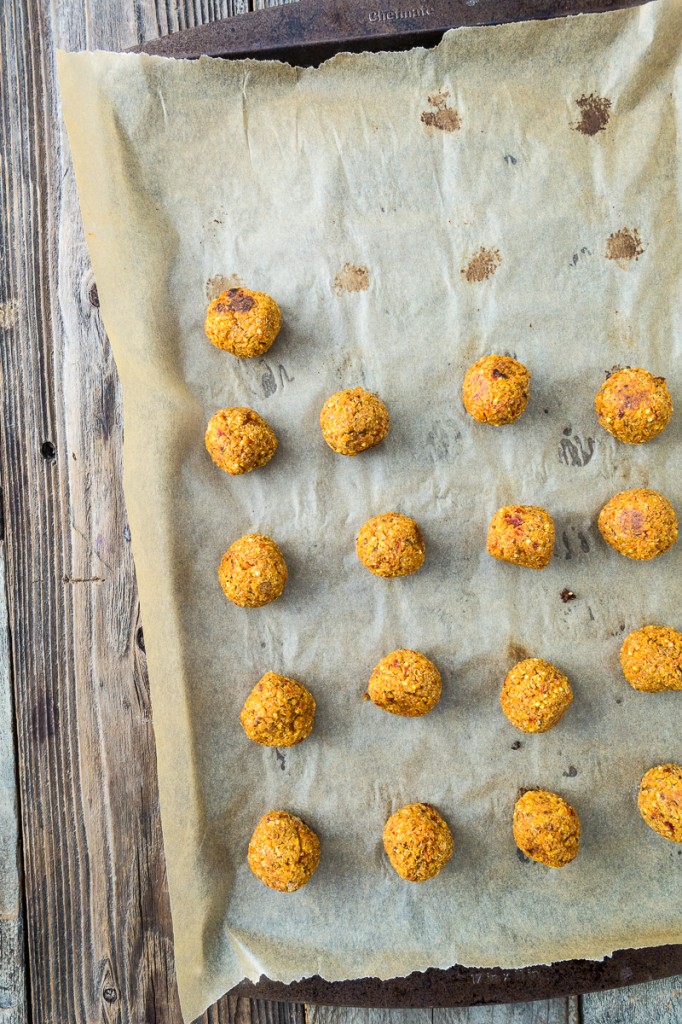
column 351, row 278
column 594, row 111
column 482, row 265
column 517, row 651
column 443, row 117
column 624, row 245
column 215, row 286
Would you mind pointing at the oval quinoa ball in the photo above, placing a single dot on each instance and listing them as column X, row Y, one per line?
column 495, row 390
column 651, row 659
column 391, row 545
column 243, row 322
column 633, row 405
column 546, row 828
column 522, row 535
column 405, row 683
column 283, row 852
column 239, row 440
column 660, row 801
column 279, row 712
column 252, row 572
column 535, row 695
column 354, row 420
column 418, row 842
column 639, row 524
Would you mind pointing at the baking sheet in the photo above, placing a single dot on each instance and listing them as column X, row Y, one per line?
column 544, row 224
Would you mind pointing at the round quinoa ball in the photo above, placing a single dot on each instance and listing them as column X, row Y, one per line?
column 391, row 545
column 495, row 390
column 546, row 828
column 418, row 842
column 279, row 712
column 651, row 659
column 252, row 572
column 660, row 801
column 633, row 405
column 239, row 440
column 243, row 322
column 535, row 695
column 405, row 683
column 354, row 420
column 639, row 524
column 283, row 852
column 522, row 535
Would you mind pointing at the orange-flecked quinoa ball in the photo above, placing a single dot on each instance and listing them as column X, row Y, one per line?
column 239, row 440
column 651, row 659
column 283, row 852
column 354, row 420
column 242, row 322
column 523, row 535
column 495, row 390
column 252, row 571
column 391, row 545
column 535, row 695
column 660, row 800
column 633, row 405
column 546, row 828
column 418, row 842
column 279, row 712
column 405, row 683
column 639, row 524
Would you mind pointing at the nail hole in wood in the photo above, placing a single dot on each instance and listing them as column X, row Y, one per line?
column 139, row 640
column 110, row 994
column 48, row 451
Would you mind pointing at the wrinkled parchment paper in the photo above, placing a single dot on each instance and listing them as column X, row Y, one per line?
column 353, row 196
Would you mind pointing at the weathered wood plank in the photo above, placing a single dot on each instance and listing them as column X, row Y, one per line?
column 13, row 1008
column 355, row 1015
column 658, row 1002
column 545, row 1011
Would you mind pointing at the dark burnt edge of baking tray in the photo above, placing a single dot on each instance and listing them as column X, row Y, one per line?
column 468, row 986
column 307, row 33
column 310, row 31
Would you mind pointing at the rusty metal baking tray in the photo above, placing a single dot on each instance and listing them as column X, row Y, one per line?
column 306, row 33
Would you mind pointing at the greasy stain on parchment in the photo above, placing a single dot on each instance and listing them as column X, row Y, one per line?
column 351, row 278
column 594, row 114
column 215, row 286
column 443, row 117
column 624, row 246
column 516, row 651
column 482, row 265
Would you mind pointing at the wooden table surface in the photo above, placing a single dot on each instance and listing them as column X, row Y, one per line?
column 85, row 928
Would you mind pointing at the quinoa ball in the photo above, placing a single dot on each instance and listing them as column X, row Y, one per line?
column 639, row 524
column 283, row 852
column 239, row 440
column 391, row 545
column 243, row 322
column 418, row 842
column 651, row 659
column 660, row 801
column 279, row 712
column 495, row 390
column 535, row 695
column 354, row 420
column 633, row 405
column 523, row 535
column 405, row 683
column 546, row 828
column 252, row 571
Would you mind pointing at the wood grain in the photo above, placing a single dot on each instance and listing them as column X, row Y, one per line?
column 13, row 1009
column 98, row 927
column 658, row 1002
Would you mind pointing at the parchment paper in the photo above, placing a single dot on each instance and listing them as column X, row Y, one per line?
column 284, row 177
